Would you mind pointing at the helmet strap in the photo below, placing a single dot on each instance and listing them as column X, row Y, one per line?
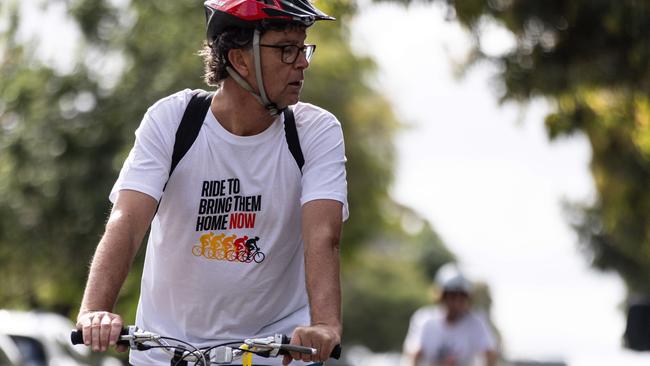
column 273, row 108
column 243, row 83
column 257, row 58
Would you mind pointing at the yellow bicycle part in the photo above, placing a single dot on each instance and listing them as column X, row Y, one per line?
column 247, row 357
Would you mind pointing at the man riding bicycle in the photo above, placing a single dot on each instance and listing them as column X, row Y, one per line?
column 239, row 176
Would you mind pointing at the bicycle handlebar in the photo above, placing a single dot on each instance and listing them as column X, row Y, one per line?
column 77, row 336
column 127, row 336
column 336, row 352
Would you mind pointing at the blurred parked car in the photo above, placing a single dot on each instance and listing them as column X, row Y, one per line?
column 43, row 339
column 9, row 353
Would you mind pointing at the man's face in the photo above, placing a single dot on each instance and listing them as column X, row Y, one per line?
column 283, row 81
column 456, row 302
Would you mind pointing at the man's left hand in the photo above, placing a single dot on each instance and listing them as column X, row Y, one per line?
column 322, row 337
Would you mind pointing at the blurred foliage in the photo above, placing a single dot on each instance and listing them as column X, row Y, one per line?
column 64, row 135
column 380, row 294
column 591, row 59
column 386, row 282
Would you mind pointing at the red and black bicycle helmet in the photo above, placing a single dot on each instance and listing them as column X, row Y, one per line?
column 256, row 14
column 221, row 14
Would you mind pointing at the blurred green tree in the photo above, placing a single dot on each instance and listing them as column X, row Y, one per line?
column 387, row 281
column 64, row 135
column 591, row 59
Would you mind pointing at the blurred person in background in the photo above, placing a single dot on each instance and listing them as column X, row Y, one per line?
column 452, row 333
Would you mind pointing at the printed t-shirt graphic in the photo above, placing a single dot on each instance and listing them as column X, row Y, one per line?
column 221, row 208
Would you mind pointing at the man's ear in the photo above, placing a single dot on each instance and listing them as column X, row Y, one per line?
column 240, row 61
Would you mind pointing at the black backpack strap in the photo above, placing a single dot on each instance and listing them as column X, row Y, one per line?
column 190, row 125
column 189, row 128
column 291, row 133
column 193, row 118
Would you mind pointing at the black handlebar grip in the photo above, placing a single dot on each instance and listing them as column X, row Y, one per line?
column 77, row 336
column 336, row 352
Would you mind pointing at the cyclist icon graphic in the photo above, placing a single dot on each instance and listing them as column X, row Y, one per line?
column 229, row 248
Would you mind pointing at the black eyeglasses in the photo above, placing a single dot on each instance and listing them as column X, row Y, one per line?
column 290, row 52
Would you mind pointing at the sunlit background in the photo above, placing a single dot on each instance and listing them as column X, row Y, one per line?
column 441, row 165
column 488, row 178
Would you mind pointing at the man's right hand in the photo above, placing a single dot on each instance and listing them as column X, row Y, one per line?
column 101, row 329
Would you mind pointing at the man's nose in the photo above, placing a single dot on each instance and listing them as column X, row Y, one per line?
column 301, row 61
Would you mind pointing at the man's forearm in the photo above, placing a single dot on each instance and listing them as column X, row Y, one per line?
column 410, row 358
column 125, row 230
column 491, row 358
column 321, row 233
column 323, row 284
column 108, row 270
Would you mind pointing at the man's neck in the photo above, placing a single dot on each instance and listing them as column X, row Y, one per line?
column 453, row 317
column 238, row 111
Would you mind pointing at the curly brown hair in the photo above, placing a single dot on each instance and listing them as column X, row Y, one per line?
column 215, row 53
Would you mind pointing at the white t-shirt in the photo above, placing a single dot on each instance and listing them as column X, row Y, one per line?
column 466, row 340
column 414, row 334
column 225, row 256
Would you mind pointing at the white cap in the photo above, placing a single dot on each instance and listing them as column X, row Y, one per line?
column 450, row 278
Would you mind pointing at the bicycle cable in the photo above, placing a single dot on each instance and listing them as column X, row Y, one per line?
column 192, row 350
